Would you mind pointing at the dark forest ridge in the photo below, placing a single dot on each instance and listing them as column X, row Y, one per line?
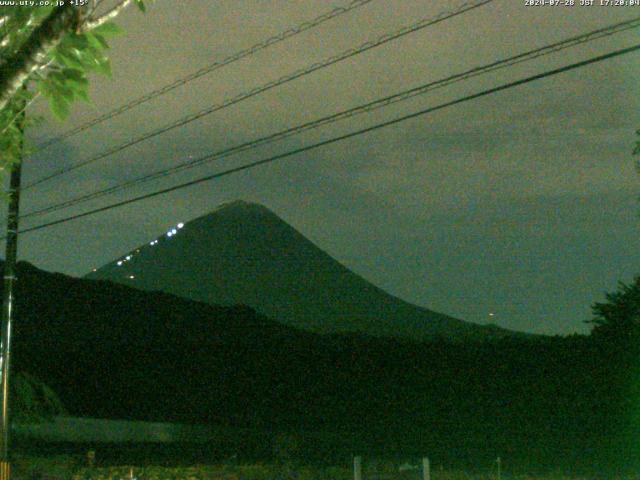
column 244, row 254
column 113, row 351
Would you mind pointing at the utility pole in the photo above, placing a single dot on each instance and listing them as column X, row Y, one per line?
column 426, row 469
column 11, row 252
column 357, row 468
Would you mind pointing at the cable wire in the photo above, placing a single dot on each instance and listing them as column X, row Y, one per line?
column 284, row 35
column 427, row 22
column 368, row 107
column 338, row 138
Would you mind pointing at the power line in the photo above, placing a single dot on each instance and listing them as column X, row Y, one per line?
column 368, row 107
column 284, row 35
column 427, row 22
column 339, row 138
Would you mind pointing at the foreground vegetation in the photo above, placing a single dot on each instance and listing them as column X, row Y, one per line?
column 543, row 404
column 71, row 468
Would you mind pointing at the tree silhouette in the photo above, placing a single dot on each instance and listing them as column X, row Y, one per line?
column 619, row 317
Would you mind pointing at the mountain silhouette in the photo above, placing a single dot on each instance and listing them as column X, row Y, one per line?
column 244, row 254
column 113, row 351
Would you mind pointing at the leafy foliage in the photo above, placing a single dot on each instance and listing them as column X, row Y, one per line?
column 619, row 316
column 11, row 137
column 62, row 74
column 206, row 472
column 33, row 400
column 51, row 466
column 76, row 56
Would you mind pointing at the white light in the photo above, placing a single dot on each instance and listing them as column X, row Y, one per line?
column 128, row 257
column 169, row 234
column 152, row 243
column 95, row 269
column 180, row 225
column 119, row 262
column 174, row 231
column 491, row 314
column 131, row 277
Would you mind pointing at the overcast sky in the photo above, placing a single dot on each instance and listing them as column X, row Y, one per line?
column 522, row 204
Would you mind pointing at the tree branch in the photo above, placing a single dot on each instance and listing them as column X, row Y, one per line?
column 22, row 110
column 93, row 7
column 90, row 24
column 15, row 71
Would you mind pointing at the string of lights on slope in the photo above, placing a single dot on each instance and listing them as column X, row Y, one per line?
column 317, row 145
column 130, row 255
column 352, row 52
column 368, row 107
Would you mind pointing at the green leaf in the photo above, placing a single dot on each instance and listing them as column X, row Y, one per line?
column 83, row 94
column 74, row 74
column 59, row 107
column 97, row 41
column 141, row 7
column 78, row 85
column 79, row 41
column 68, row 60
column 45, row 88
column 103, row 66
column 64, row 92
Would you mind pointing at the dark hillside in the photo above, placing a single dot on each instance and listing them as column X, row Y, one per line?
column 113, row 351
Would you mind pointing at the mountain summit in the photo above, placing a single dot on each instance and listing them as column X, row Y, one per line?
column 243, row 253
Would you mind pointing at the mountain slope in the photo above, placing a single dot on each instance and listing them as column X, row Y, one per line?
column 242, row 253
column 112, row 351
